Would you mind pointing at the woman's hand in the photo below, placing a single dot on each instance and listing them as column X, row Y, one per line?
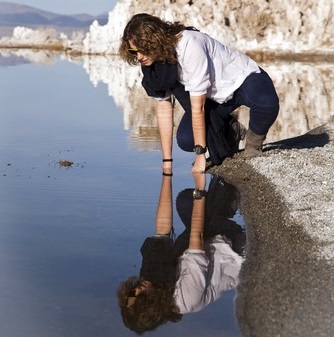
column 200, row 181
column 167, row 168
column 199, row 164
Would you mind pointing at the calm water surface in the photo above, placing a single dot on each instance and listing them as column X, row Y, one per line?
column 69, row 236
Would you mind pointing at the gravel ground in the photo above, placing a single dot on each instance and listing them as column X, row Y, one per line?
column 287, row 280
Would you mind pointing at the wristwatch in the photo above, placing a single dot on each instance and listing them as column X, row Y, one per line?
column 198, row 194
column 198, row 149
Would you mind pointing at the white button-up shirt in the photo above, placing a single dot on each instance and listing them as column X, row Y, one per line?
column 207, row 67
column 205, row 276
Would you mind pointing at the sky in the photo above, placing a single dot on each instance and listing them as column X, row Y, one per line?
column 92, row 7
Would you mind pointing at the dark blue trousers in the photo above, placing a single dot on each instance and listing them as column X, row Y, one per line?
column 257, row 92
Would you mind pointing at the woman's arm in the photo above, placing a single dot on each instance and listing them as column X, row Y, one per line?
column 198, row 213
column 194, row 72
column 198, row 125
column 164, row 216
column 165, row 125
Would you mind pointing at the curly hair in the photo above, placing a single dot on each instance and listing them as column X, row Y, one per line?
column 152, row 36
column 155, row 307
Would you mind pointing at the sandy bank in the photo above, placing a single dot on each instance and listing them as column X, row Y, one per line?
column 287, row 280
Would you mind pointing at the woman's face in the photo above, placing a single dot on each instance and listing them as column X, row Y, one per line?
column 138, row 292
column 143, row 59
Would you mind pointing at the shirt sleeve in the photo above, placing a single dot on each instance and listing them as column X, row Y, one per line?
column 195, row 66
column 160, row 99
column 190, row 286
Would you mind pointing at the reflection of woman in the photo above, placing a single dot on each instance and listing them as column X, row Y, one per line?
column 185, row 275
column 208, row 70
column 147, row 301
column 211, row 266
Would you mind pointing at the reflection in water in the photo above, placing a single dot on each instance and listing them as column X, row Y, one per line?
column 305, row 92
column 22, row 56
column 11, row 60
column 184, row 274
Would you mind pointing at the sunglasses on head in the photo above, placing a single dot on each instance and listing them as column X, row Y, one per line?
column 133, row 51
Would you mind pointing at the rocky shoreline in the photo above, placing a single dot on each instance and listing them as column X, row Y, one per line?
column 287, row 281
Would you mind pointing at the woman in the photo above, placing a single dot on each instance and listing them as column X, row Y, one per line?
column 208, row 70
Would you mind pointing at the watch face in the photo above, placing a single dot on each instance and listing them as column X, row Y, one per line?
column 198, row 194
column 198, row 149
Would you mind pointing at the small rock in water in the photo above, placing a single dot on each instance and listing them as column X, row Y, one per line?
column 65, row 163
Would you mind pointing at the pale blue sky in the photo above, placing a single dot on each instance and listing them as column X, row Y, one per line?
column 93, row 7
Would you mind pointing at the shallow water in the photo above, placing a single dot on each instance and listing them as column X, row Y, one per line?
column 69, row 236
